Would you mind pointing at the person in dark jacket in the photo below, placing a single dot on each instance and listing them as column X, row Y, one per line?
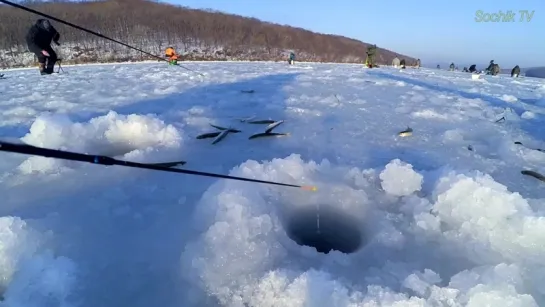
column 39, row 39
column 473, row 68
column 291, row 59
column 515, row 72
column 490, row 68
column 495, row 70
column 371, row 53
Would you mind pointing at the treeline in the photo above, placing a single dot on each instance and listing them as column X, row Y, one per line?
column 153, row 26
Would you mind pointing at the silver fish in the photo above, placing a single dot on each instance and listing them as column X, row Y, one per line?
column 406, row 132
column 220, row 136
column 223, row 128
column 259, row 135
column 261, row 121
column 273, row 125
column 208, row 135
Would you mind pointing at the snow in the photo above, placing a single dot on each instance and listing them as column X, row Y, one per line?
column 439, row 218
column 400, row 179
column 110, row 135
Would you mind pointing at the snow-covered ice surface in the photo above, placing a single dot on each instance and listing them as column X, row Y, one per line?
column 439, row 218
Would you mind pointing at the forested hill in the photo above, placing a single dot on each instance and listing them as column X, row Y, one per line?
column 153, row 26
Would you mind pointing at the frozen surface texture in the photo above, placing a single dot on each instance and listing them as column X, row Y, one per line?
column 442, row 217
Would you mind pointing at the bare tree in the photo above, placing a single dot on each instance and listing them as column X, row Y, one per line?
column 152, row 26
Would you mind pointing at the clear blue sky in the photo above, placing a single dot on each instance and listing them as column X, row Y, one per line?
column 435, row 31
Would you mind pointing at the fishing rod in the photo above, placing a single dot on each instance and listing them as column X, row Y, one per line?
column 105, row 160
column 92, row 32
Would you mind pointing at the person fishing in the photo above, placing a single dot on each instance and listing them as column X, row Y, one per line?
column 39, row 38
column 291, row 59
column 515, row 72
column 371, row 53
column 172, row 56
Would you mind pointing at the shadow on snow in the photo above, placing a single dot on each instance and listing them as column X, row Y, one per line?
column 533, row 127
column 127, row 235
column 489, row 99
